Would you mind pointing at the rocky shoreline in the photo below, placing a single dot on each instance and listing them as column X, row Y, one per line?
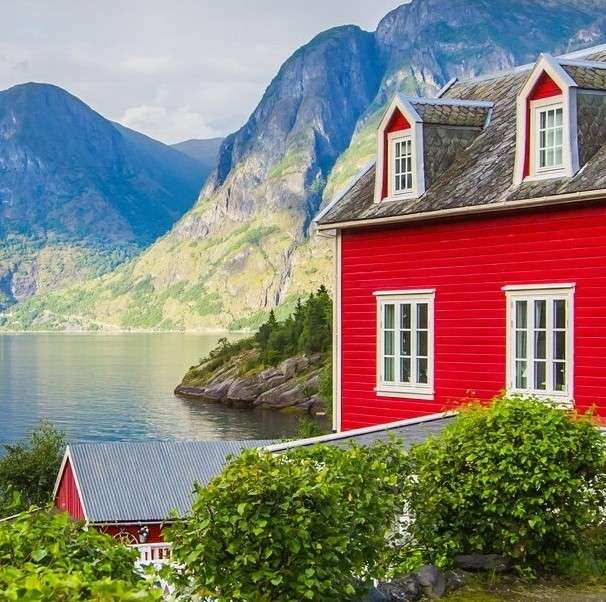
column 292, row 386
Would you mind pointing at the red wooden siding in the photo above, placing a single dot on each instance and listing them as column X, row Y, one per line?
column 67, row 498
column 155, row 531
column 397, row 123
column 468, row 262
column 544, row 88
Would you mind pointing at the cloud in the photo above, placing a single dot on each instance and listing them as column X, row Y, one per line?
column 170, row 126
column 177, row 70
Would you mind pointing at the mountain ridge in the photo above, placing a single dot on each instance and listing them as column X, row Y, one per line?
column 245, row 247
column 76, row 187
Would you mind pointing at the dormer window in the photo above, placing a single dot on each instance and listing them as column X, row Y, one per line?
column 546, row 132
column 402, row 164
column 549, row 136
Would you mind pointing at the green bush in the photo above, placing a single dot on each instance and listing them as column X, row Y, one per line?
column 44, row 555
column 30, row 468
column 304, row 525
column 520, row 477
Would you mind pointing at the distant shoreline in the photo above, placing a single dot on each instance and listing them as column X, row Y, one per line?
column 210, row 331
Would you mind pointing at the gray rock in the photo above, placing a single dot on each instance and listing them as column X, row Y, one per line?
column 218, row 391
column 289, row 366
column 483, row 562
column 291, row 397
column 269, row 373
column 375, row 595
column 432, row 581
column 405, row 589
column 270, row 397
column 243, row 390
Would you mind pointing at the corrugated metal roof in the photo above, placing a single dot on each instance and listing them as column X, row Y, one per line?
column 142, row 481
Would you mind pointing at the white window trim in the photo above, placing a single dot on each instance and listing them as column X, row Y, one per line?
column 416, row 133
column 546, row 173
column 412, row 391
column 531, row 292
column 547, row 64
column 392, row 139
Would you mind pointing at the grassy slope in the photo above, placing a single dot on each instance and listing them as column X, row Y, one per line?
column 227, row 280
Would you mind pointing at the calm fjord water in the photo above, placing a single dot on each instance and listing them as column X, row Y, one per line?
column 112, row 387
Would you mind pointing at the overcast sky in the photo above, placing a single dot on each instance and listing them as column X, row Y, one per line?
column 172, row 69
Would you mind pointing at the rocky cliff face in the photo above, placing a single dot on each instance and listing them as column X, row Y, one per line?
column 244, row 247
column 78, row 191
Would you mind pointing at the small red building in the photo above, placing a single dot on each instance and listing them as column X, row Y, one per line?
column 471, row 256
column 129, row 489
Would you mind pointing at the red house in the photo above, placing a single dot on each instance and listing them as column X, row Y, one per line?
column 129, row 489
column 471, row 256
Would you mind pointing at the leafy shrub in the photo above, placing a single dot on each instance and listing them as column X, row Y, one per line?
column 520, row 477
column 30, row 468
column 304, row 525
column 44, row 555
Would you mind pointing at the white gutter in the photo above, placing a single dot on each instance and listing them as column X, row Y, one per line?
column 277, row 447
column 557, row 199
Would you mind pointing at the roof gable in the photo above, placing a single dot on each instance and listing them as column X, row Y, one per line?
column 482, row 175
column 143, row 481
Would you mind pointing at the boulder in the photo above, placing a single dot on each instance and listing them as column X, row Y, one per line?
column 243, row 390
column 291, row 397
column 269, row 398
column 270, row 373
column 483, row 562
column 402, row 589
column 218, row 391
column 432, row 581
column 289, row 366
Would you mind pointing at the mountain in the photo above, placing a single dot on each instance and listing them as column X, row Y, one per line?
column 245, row 246
column 204, row 151
column 79, row 193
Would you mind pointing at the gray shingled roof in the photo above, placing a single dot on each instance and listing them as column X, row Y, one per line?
column 457, row 115
column 132, row 481
column 409, row 434
column 482, row 174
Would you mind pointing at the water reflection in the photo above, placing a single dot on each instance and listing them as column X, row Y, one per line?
column 112, row 387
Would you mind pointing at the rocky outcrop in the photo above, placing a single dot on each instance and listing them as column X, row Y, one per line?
column 292, row 386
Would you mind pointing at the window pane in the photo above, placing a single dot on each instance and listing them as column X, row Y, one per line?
column 405, row 369
column 540, row 376
column 521, row 314
column 388, row 375
column 521, row 344
column 405, row 310
column 543, row 120
column 559, row 376
column 559, row 117
column 558, row 158
column 521, row 375
column 389, row 316
column 389, row 342
column 540, row 346
column 559, row 345
column 422, row 371
column 404, row 343
column 559, row 312
column 539, row 314
column 422, row 315
column 422, row 343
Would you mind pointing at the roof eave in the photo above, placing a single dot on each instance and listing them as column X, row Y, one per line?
column 545, row 201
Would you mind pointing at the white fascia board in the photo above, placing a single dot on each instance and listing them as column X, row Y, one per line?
column 451, row 102
column 341, row 193
column 584, row 52
column 446, row 87
column 587, row 64
column 278, row 447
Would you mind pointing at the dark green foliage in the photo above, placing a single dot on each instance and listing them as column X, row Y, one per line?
column 45, row 556
column 520, row 477
column 308, row 427
column 304, row 525
column 325, row 387
column 30, row 468
column 308, row 330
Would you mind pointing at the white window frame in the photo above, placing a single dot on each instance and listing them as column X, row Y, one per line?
column 537, row 107
column 393, row 139
column 411, row 390
column 549, row 293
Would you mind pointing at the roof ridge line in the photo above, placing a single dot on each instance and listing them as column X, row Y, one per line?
column 450, row 102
